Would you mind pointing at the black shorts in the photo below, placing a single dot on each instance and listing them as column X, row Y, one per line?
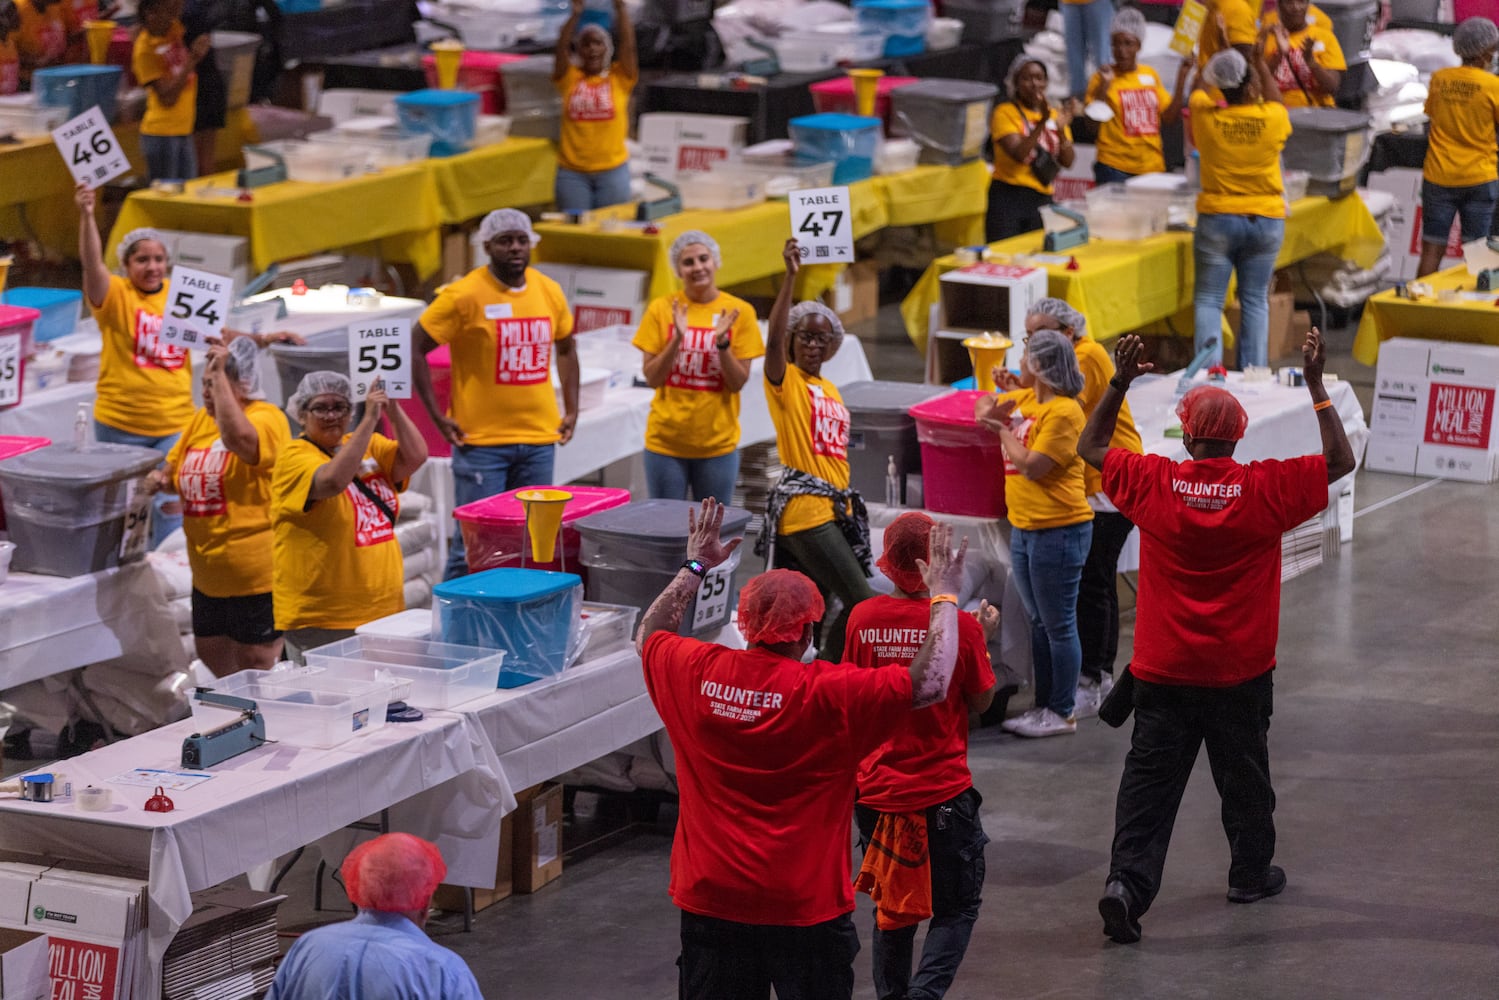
column 250, row 620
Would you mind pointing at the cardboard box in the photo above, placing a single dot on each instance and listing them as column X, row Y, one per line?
column 458, row 254
column 224, row 255
column 15, row 892
column 1293, row 337
column 855, row 296
column 975, row 299
column 450, row 897
column 1433, row 411
column 674, row 144
column 24, row 962
column 1403, row 224
column 606, row 296
column 538, row 837
column 1282, row 306
column 1074, row 182
column 95, row 929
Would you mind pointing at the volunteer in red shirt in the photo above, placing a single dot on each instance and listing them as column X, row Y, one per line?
column 768, row 748
column 1206, row 623
column 918, row 811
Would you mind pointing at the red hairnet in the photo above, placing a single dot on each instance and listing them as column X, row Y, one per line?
column 908, row 539
column 1212, row 414
column 394, row 873
column 777, row 606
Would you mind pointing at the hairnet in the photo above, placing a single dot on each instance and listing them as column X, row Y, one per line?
column 681, row 243
column 1021, row 62
column 243, row 367
column 315, row 384
column 1474, row 36
column 908, row 539
column 778, row 606
column 394, row 873
column 598, row 29
column 1053, row 360
column 1212, row 414
column 803, row 311
column 507, row 220
column 1129, row 21
column 122, row 251
column 1064, row 314
column 1226, row 70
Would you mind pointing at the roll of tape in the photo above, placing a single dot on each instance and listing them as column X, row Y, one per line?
column 93, row 799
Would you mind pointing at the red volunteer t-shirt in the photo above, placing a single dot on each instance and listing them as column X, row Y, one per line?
column 924, row 759
column 767, row 750
column 1208, row 612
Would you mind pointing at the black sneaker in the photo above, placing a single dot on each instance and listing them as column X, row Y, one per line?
column 79, row 738
column 1114, row 907
column 18, row 745
column 1273, row 884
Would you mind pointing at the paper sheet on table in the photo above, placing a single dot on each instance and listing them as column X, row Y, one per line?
column 174, row 781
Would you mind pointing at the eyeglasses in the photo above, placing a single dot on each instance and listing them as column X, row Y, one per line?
column 325, row 410
column 813, row 339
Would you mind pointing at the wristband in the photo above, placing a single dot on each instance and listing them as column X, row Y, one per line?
column 723, row 345
column 696, row 568
column 1117, row 384
column 945, row 599
column 1326, row 403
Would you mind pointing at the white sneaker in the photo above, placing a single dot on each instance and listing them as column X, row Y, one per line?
column 1010, row 724
column 1085, row 703
column 1047, row 723
column 1105, row 685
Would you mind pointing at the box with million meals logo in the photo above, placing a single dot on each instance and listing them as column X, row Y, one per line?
column 96, row 927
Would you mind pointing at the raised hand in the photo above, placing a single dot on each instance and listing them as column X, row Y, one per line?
column 1313, row 357
column 1129, row 360
column 83, row 197
column 791, row 253
column 988, row 616
column 943, row 571
column 703, row 541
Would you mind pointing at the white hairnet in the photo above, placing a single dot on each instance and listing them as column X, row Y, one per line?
column 1053, row 360
column 597, row 29
column 315, row 384
column 135, row 236
column 1474, row 36
column 1064, row 314
column 1226, row 70
column 507, row 220
column 1129, row 21
column 694, row 236
column 1021, row 62
column 803, row 310
column 243, row 367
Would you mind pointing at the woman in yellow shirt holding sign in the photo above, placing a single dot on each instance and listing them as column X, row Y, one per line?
column 1129, row 143
column 593, row 168
column 698, row 344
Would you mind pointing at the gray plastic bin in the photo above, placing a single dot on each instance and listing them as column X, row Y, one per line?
column 1353, row 23
column 881, row 428
column 986, row 21
column 949, row 119
column 323, row 352
column 531, row 99
column 1331, row 145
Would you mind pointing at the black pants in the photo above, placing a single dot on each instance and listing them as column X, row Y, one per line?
column 1012, row 210
column 955, row 843
column 1170, row 723
column 725, row 960
column 823, row 554
column 1098, row 594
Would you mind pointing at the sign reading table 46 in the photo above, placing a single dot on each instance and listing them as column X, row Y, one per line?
column 90, row 149
column 197, row 306
column 823, row 224
column 381, row 350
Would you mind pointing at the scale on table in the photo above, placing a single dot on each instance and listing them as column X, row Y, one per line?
column 650, row 211
column 235, row 737
column 273, row 172
column 1065, row 228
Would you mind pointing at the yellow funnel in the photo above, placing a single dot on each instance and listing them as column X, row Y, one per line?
column 866, row 88
column 448, row 54
column 5, row 263
column 543, row 520
column 987, row 352
column 100, row 34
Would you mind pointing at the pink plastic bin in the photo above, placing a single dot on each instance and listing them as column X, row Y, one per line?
column 962, row 464
column 478, row 72
column 17, row 321
column 441, row 365
column 494, row 529
column 837, row 96
column 10, row 447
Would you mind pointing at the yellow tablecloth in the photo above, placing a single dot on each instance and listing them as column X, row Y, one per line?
column 509, row 174
column 1121, row 286
column 1468, row 321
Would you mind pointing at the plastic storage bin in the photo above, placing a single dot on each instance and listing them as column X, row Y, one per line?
column 532, row 614
column 962, row 464
column 882, row 428
column 1117, row 213
column 32, row 120
column 986, row 21
column 19, row 321
column 478, row 73
column 1353, row 23
column 308, row 162
column 850, row 42
column 302, row 708
column 607, row 628
column 494, row 529
column 949, row 119
column 533, row 104
column 60, row 310
column 805, row 53
column 782, row 174
column 234, row 54
column 448, row 116
column 66, row 506
column 1331, row 145
column 633, row 552
column 78, row 88
column 836, row 96
column 323, row 352
column 10, row 447
column 441, row 675
column 724, row 188
column 849, row 141
column 902, row 22
column 299, row 6
column 379, row 148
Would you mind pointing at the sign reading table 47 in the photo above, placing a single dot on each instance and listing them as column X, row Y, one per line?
column 197, row 306
column 381, row 350
column 90, row 149
column 823, row 225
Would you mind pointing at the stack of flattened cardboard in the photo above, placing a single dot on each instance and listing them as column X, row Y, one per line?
column 226, row 950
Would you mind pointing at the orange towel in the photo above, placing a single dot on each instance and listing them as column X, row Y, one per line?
column 897, row 871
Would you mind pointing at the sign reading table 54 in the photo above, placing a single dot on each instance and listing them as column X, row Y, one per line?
column 197, row 306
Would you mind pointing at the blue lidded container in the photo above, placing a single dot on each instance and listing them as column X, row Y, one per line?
column 450, row 117
column 850, row 141
column 902, row 22
column 60, row 308
column 78, row 88
column 532, row 614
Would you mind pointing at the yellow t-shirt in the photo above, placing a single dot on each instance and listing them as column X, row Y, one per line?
column 157, row 56
column 1240, row 149
column 812, row 436
column 338, row 564
column 595, row 120
column 1131, row 140
column 1293, row 76
column 1463, row 105
column 226, row 504
column 1009, row 119
column 693, row 415
column 1098, row 368
column 1239, row 17
column 43, row 37
column 10, row 65
column 501, row 341
column 145, row 386
column 1060, row 498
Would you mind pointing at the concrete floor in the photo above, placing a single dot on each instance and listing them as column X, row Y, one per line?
column 1384, row 745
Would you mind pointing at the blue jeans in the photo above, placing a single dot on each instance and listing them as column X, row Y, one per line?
column 580, row 192
column 162, row 525
column 481, row 471
column 170, row 157
column 1105, row 174
column 1440, row 205
column 1086, row 26
column 670, row 478
column 1223, row 245
column 1047, row 565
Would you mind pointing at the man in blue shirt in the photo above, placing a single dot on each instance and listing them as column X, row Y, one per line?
column 383, row 953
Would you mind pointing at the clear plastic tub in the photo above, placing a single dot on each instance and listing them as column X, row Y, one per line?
column 30, row 121
column 850, row 42
column 306, row 709
column 896, row 156
column 441, row 674
column 849, row 141
column 902, row 22
column 492, row 129
column 1116, row 213
column 234, row 54
column 1295, row 182
column 533, row 104
column 725, row 188
column 782, row 174
column 531, row 613
column 805, row 53
column 309, row 162
column 380, row 149
column 949, row 119
column 607, row 628
column 448, row 116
